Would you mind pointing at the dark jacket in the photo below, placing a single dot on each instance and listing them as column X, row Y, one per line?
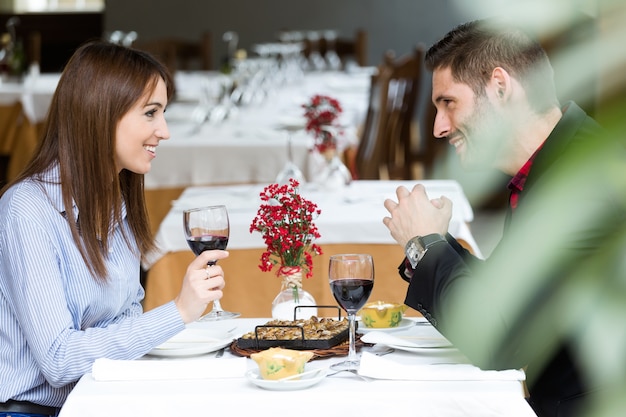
column 515, row 310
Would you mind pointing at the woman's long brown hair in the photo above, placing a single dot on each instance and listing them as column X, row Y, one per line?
column 100, row 83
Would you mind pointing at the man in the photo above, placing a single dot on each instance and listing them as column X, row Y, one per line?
column 496, row 104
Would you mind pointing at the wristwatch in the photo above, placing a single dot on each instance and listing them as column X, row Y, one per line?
column 416, row 248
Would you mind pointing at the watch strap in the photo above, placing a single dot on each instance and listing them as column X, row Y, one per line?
column 429, row 240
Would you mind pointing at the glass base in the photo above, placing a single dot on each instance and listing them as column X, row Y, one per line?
column 290, row 170
column 346, row 366
column 216, row 315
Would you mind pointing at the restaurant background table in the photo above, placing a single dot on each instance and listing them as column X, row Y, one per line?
column 23, row 108
column 250, row 145
column 351, row 221
column 34, row 92
column 342, row 394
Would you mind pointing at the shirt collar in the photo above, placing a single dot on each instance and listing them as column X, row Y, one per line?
column 50, row 180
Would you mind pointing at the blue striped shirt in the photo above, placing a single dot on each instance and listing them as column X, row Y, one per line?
column 55, row 318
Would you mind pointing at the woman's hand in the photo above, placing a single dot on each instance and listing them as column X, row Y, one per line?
column 415, row 215
column 202, row 284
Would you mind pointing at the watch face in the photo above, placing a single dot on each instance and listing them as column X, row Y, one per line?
column 413, row 252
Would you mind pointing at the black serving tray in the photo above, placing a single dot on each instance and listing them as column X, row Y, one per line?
column 299, row 344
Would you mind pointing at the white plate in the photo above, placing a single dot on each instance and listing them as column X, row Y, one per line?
column 289, row 385
column 192, row 342
column 417, row 339
column 404, row 323
column 291, row 124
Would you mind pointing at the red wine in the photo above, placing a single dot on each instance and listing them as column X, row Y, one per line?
column 351, row 294
column 199, row 244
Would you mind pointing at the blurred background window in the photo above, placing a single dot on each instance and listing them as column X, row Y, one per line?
column 25, row 6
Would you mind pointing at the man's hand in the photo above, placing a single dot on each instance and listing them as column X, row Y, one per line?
column 416, row 215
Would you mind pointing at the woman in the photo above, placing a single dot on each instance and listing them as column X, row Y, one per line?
column 74, row 228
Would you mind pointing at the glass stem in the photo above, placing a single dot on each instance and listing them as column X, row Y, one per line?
column 289, row 150
column 217, row 306
column 352, row 340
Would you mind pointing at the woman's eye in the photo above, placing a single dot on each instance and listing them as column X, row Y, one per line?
column 151, row 113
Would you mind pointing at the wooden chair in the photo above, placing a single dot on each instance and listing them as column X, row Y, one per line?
column 355, row 48
column 366, row 162
column 428, row 149
column 180, row 54
column 17, row 142
column 386, row 143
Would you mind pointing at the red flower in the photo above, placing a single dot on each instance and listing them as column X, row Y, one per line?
column 321, row 114
column 285, row 220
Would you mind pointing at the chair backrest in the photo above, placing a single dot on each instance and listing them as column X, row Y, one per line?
column 353, row 48
column 368, row 158
column 180, row 54
column 386, row 140
column 17, row 142
column 429, row 149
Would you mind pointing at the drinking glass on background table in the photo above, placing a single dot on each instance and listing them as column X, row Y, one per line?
column 290, row 170
column 207, row 228
column 351, row 278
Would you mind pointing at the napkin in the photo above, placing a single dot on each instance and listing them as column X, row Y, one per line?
column 382, row 368
column 144, row 370
column 431, row 340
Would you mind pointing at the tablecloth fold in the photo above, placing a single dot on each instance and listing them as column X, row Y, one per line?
column 144, row 370
column 382, row 368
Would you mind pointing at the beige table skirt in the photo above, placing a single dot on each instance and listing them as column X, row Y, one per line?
column 250, row 291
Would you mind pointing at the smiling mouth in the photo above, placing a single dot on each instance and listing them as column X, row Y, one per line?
column 150, row 148
column 456, row 141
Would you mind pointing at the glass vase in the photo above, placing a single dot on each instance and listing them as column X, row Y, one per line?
column 292, row 295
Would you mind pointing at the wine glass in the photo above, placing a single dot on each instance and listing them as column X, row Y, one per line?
column 207, row 228
column 351, row 279
column 290, row 170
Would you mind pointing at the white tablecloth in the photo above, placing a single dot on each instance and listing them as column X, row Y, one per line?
column 352, row 215
column 35, row 93
column 250, row 146
column 342, row 394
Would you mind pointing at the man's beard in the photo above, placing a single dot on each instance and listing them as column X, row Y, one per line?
column 484, row 136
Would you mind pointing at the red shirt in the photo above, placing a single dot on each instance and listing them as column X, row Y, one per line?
column 516, row 185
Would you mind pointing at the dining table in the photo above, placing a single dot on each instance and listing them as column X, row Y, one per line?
column 33, row 91
column 351, row 221
column 248, row 142
column 411, row 370
column 24, row 104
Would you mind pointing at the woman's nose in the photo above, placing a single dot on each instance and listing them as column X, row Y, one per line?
column 163, row 132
